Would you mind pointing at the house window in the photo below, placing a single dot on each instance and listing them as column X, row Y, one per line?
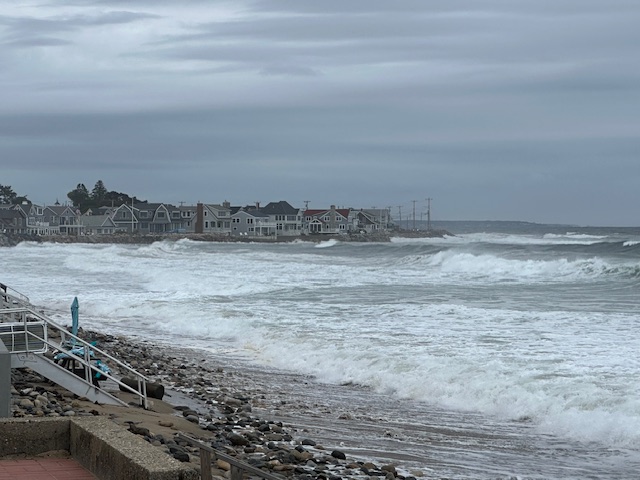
column 161, row 215
column 251, row 229
column 227, row 225
column 222, row 214
column 249, row 220
column 206, row 224
column 123, row 214
column 144, row 214
column 175, row 214
column 144, row 226
column 206, row 213
column 236, row 220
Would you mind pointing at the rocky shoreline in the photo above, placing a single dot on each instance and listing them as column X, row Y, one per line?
column 209, row 402
column 9, row 240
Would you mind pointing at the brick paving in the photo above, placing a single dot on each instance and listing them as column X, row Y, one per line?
column 44, row 469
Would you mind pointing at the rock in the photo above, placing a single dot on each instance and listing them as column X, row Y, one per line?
column 181, row 456
column 389, row 468
column 237, row 440
column 338, row 454
column 133, row 428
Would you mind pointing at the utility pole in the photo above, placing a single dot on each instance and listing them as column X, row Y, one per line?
column 414, row 214
column 306, row 205
column 429, row 214
column 400, row 215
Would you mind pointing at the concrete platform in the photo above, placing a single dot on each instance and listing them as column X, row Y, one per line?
column 103, row 450
column 44, row 469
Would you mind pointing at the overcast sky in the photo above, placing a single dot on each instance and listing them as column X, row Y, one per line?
column 496, row 109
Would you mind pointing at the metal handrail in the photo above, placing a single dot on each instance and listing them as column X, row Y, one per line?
column 6, row 291
column 237, row 466
column 85, row 360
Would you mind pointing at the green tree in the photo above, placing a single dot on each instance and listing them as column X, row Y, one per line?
column 7, row 195
column 99, row 193
column 80, row 197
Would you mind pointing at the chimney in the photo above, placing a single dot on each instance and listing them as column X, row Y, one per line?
column 199, row 218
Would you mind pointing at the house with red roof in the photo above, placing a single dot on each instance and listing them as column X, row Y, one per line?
column 329, row 222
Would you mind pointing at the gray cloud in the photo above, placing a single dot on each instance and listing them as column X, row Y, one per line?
column 497, row 109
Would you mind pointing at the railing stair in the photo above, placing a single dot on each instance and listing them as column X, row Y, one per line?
column 29, row 335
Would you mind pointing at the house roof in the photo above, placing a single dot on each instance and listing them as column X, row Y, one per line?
column 97, row 221
column 319, row 213
column 10, row 214
column 253, row 213
column 61, row 209
column 279, row 208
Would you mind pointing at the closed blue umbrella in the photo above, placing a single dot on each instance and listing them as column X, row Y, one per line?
column 74, row 316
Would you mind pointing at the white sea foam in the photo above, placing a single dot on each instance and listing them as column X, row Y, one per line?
column 535, row 337
column 327, row 243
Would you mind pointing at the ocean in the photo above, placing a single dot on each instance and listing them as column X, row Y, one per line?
column 507, row 350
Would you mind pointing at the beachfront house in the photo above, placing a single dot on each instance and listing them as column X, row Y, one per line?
column 12, row 220
column 251, row 222
column 36, row 224
column 216, row 218
column 149, row 218
column 62, row 220
column 372, row 220
column 287, row 219
column 159, row 218
column 188, row 216
column 125, row 219
column 98, row 224
column 329, row 222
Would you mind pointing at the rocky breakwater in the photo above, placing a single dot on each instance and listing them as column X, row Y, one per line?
column 214, row 405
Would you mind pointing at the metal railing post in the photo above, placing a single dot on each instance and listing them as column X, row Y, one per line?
column 5, row 381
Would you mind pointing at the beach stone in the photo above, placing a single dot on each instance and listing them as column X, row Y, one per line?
column 302, row 456
column 222, row 465
column 309, row 442
column 338, row 454
column 26, row 403
column 182, row 456
column 193, row 418
column 237, row 439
